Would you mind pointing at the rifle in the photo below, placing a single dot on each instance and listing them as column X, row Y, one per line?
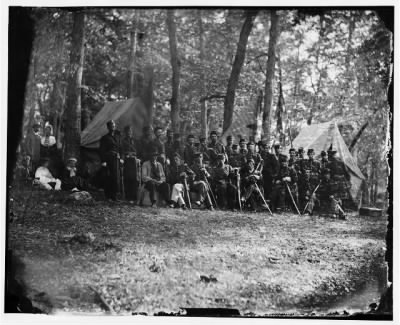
column 291, row 196
column 315, row 190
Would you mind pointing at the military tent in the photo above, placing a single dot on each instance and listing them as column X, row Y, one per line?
column 128, row 112
column 320, row 137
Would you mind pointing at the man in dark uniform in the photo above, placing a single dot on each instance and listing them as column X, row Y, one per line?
column 110, row 154
column 145, row 144
column 242, row 151
column 131, row 165
column 292, row 158
column 190, row 150
column 224, row 189
column 324, row 160
column 228, row 147
column 340, row 178
column 250, row 177
column 287, row 176
column 198, row 184
column 235, row 159
column 313, row 167
column 203, row 148
column 306, row 189
column 252, row 154
column 215, row 148
column 270, row 171
column 300, row 160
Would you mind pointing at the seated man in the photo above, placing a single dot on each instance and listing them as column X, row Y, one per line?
column 44, row 178
column 225, row 191
column 306, row 196
column 329, row 205
column 179, row 174
column 250, row 187
column 71, row 179
column 153, row 177
column 198, row 183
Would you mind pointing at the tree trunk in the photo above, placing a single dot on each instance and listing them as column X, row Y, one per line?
column 131, row 86
column 270, row 74
column 175, row 63
column 317, row 90
column 237, row 67
column 73, row 100
column 203, row 104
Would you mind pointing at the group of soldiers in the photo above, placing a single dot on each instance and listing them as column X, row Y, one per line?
column 245, row 176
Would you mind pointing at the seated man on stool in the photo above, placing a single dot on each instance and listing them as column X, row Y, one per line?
column 153, row 177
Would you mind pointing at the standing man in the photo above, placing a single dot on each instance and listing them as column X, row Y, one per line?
column 243, row 151
column 324, row 160
column 252, row 154
column 340, row 178
column 292, row 157
column 145, row 145
column 189, row 151
column 204, row 149
column 228, row 147
column 110, row 154
column 215, row 148
column 32, row 146
column 153, row 177
column 131, row 165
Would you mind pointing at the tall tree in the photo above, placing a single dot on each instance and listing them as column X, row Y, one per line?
column 269, row 80
column 73, row 100
column 203, row 104
column 237, row 67
column 176, row 66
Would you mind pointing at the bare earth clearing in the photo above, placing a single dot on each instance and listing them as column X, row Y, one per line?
column 151, row 260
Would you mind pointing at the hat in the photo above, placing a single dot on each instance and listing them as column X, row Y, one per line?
column 250, row 143
column 190, row 136
column 72, row 159
column 176, row 154
column 277, row 146
column 323, row 153
column 300, row 150
column 283, row 158
column 198, row 155
column 221, row 156
column 213, row 132
column 292, row 150
column 229, row 137
column 234, row 146
column 310, row 151
column 131, row 152
column 242, row 140
column 154, row 152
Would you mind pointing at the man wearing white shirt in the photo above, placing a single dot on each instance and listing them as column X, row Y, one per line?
column 44, row 177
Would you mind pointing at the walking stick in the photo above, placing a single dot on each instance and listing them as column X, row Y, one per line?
column 297, row 209
column 187, row 193
column 263, row 198
column 315, row 190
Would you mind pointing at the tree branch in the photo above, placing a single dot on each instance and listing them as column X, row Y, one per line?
column 358, row 135
column 214, row 96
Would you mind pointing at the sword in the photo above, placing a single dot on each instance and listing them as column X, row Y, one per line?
column 297, row 209
column 262, row 196
column 315, row 190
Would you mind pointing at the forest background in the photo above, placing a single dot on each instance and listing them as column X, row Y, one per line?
column 284, row 68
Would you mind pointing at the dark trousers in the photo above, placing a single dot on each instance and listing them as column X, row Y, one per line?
column 131, row 183
column 200, row 187
column 267, row 185
column 226, row 195
column 163, row 190
column 112, row 180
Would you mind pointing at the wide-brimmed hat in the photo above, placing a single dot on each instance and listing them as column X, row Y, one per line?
column 310, row 151
column 72, row 159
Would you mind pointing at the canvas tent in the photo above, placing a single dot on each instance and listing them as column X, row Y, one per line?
column 319, row 137
column 128, row 112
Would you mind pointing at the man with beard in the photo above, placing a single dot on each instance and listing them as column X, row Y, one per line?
column 250, row 178
column 110, row 154
column 287, row 177
column 189, row 151
column 153, row 177
column 179, row 179
column 224, row 189
column 215, row 148
column 131, row 165
column 199, row 182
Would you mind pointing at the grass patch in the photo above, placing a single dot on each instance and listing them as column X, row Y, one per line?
column 151, row 260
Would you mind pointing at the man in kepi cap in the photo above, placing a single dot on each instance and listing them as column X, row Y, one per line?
column 110, row 154
column 153, row 177
column 215, row 148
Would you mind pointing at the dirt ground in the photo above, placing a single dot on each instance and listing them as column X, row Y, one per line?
column 112, row 256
